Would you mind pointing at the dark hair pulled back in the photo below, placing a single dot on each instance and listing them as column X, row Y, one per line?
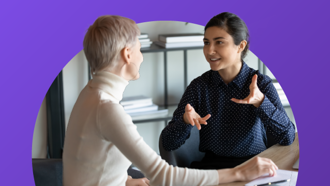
column 234, row 26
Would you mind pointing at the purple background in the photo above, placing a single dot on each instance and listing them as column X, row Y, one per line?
column 38, row 39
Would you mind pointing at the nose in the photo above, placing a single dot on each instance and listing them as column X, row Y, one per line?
column 211, row 50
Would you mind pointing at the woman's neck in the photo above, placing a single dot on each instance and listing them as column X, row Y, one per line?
column 228, row 74
column 119, row 70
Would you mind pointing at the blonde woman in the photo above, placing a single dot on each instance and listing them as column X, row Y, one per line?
column 101, row 141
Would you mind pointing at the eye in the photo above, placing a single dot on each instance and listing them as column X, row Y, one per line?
column 206, row 43
column 219, row 42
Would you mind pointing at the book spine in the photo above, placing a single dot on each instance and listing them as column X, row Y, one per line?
column 127, row 107
column 144, row 40
column 142, row 109
column 180, row 39
column 149, row 115
column 140, row 101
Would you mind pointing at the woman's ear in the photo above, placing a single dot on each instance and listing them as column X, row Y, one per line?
column 125, row 54
column 242, row 46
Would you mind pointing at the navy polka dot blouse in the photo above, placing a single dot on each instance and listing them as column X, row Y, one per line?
column 233, row 130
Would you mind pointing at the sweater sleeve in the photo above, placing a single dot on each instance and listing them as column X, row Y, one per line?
column 273, row 115
column 116, row 126
column 177, row 131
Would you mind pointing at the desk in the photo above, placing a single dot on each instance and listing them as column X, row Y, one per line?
column 283, row 156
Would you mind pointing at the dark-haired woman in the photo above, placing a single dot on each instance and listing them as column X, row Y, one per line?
column 232, row 104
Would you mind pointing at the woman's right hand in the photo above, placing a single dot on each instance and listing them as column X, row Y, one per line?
column 192, row 118
column 254, row 168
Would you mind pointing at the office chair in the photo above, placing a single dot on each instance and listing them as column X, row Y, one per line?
column 184, row 155
column 47, row 172
column 189, row 151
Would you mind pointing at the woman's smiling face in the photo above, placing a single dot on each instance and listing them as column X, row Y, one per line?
column 219, row 49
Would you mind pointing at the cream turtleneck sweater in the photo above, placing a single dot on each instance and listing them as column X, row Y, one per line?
column 101, row 142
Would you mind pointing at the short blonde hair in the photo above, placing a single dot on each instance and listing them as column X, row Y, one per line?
column 106, row 38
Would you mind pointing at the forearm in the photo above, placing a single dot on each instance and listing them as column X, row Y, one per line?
column 175, row 134
column 275, row 118
column 178, row 131
column 124, row 136
column 228, row 175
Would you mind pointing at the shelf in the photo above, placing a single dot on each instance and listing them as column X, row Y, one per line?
column 165, row 118
column 274, row 81
column 286, row 106
column 156, row 48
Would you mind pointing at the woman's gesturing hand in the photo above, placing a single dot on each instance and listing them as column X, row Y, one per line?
column 249, row 170
column 137, row 182
column 256, row 97
column 191, row 117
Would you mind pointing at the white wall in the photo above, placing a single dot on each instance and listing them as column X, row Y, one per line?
column 75, row 77
column 152, row 76
column 39, row 144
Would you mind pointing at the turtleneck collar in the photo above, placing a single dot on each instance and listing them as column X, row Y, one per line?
column 110, row 83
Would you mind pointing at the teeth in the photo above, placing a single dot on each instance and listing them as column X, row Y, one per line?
column 215, row 59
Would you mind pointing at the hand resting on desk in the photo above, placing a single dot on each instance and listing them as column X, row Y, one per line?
column 249, row 170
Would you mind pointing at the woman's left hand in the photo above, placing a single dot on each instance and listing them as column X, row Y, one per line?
column 256, row 97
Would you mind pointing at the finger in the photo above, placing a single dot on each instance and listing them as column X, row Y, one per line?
column 274, row 170
column 198, row 125
column 202, row 122
column 265, row 171
column 254, row 80
column 271, row 172
column 271, row 162
column 146, row 181
column 188, row 108
column 191, row 120
column 274, row 165
column 249, row 100
column 268, row 166
column 240, row 101
column 206, row 117
column 142, row 183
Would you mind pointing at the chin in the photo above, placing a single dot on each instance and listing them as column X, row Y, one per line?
column 136, row 77
column 216, row 68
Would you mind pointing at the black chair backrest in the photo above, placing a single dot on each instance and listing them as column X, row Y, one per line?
column 270, row 139
column 47, row 172
column 187, row 153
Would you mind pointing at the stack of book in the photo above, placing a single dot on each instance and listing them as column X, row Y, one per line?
column 281, row 94
column 142, row 107
column 144, row 40
column 180, row 40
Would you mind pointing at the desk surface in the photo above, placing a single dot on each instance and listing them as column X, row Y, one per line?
column 283, row 156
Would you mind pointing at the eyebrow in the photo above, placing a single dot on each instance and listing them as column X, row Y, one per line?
column 215, row 38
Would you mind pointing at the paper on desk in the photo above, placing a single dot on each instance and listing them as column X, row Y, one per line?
column 281, row 175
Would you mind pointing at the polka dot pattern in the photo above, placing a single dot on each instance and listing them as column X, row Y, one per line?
column 235, row 130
